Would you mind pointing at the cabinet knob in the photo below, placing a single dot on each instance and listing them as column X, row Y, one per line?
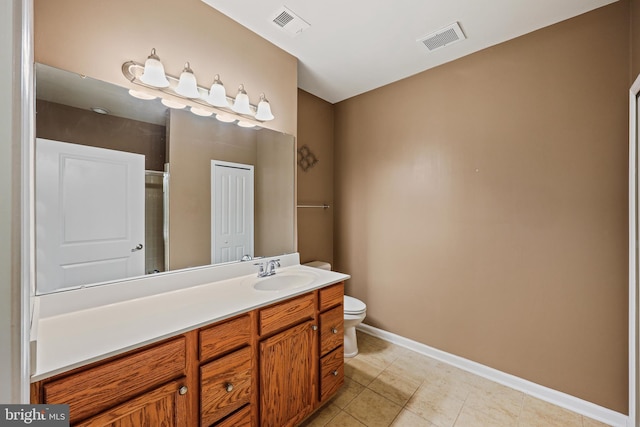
column 335, row 373
column 183, row 390
column 228, row 387
column 314, row 327
column 334, row 331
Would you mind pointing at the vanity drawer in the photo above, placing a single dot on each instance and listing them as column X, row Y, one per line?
column 331, row 373
column 225, row 385
column 101, row 387
column 287, row 313
column 242, row 418
column 224, row 337
column 331, row 329
column 331, row 296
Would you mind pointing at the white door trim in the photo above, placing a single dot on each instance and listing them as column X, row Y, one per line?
column 633, row 252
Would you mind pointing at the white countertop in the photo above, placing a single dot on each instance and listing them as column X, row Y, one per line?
column 63, row 341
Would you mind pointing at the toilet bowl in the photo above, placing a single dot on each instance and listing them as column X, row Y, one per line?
column 354, row 313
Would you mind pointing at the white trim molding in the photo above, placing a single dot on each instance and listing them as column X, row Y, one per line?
column 555, row 397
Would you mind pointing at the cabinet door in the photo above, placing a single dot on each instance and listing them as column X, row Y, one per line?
column 164, row 406
column 286, row 376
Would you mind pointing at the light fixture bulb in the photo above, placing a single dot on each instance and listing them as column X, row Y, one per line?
column 226, row 118
column 264, row 109
column 241, row 104
column 141, row 95
column 217, row 94
column 172, row 104
column 187, row 86
column 153, row 74
column 201, row 112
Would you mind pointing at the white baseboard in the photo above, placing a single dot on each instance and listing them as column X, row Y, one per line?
column 555, row 397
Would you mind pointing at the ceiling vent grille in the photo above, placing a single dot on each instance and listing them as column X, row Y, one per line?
column 443, row 37
column 289, row 22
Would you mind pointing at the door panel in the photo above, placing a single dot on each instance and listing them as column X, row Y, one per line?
column 231, row 211
column 89, row 215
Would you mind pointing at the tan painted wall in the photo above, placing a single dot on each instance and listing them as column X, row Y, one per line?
column 275, row 194
column 68, row 124
column 485, row 213
column 96, row 37
column 315, row 186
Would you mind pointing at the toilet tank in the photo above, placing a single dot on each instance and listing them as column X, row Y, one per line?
column 319, row 264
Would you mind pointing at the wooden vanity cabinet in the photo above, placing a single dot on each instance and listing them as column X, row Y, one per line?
column 227, row 371
column 331, row 349
column 144, row 387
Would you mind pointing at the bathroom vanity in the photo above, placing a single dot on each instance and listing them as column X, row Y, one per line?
column 223, row 353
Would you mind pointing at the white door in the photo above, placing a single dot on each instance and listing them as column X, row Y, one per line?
column 231, row 211
column 89, row 215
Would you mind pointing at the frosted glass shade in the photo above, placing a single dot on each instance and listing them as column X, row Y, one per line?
column 217, row 94
column 201, row 112
column 172, row 104
column 264, row 110
column 153, row 74
column 244, row 124
column 241, row 104
column 226, row 118
column 187, row 85
column 141, row 95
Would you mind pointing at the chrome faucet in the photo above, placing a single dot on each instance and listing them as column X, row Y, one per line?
column 268, row 268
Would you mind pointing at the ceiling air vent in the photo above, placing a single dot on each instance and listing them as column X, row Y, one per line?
column 291, row 23
column 443, row 37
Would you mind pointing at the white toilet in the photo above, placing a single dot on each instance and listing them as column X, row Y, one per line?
column 354, row 313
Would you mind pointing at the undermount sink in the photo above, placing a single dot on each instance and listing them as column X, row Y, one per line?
column 284, row 280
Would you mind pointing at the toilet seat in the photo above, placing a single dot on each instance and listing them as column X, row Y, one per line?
column 353, row 306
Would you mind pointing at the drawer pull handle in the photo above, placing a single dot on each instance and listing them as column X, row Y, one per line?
column 334, row 330
column 314, row 327
column 183, row 390
column 335, row 373
column 228, row 387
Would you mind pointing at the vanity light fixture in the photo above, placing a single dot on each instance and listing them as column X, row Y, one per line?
column 263, row 112
column 153, row 74
column 217, row 94
column 241, row 104
column 183, row 91
column 187, row 86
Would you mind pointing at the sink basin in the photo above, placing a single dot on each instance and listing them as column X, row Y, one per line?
column 284, row 280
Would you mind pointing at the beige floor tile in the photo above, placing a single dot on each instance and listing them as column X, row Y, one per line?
column 380, row 357
column 435, row 405
column 409, row 419
column 372, row 409
column 496, row 398
column 347, row 393
column 322, row 416
column 344, row 420
column 470, row 417
column 536, row 412
column 396, row 388
column 588, row 422
column 361, row 371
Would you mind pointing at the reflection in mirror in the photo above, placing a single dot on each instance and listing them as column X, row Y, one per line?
column 80, row 120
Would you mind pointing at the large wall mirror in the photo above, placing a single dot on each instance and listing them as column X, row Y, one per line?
column 126, row 187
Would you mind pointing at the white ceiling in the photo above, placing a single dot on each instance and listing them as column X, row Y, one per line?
column 358, row 45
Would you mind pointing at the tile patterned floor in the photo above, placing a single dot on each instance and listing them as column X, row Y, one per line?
column 387, row 385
